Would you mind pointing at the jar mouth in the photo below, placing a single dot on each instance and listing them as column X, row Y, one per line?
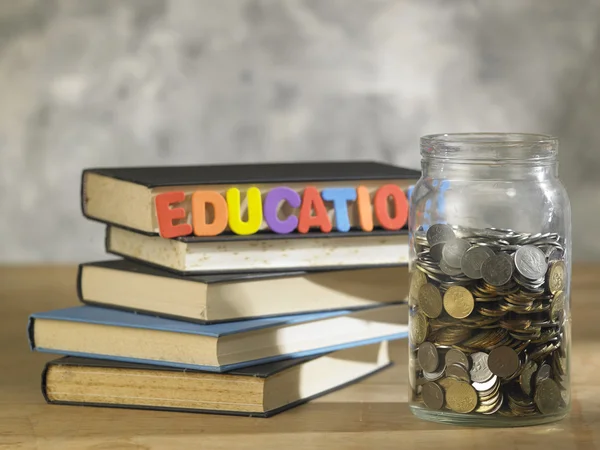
column 490, row 147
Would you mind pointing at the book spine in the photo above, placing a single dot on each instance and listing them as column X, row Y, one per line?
column 78, row 282
column 83, row 195
column 44, row 380
column 30, row 333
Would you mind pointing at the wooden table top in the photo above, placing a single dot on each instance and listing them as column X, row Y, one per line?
column 371, row 414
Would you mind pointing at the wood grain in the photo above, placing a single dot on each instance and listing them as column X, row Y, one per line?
column 372, row 414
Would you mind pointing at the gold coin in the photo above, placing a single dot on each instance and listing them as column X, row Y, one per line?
column 558, row 304
column 417, row 280
column 445, row 383
column 458, row 302
column 418, row 328
column 461, row 397
column 556, row 278
column 430, row 300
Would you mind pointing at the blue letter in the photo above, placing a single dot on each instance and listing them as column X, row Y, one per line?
column 340, row 197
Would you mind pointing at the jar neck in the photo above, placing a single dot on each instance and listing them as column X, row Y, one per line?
column 481, row 171
column 490, row 156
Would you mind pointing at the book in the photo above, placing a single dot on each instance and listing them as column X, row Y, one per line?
column 255, row 253
column 127, row 196
column 144, row 289
column 261, row 391
column 104, row 333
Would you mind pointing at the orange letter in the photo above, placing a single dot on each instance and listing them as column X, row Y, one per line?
column 365, row 211
column 312, row 199
column 199, row 202
column 166, row 215
column 400, row 205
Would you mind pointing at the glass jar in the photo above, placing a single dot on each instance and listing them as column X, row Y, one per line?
column 490, row 265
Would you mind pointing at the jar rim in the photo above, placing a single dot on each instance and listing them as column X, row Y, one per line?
column 491, row 147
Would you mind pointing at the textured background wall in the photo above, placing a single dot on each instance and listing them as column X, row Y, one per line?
column 99, row 83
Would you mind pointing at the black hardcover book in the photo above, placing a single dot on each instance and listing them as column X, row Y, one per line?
column 141, row 288
column 125, row 196
column 260, row 391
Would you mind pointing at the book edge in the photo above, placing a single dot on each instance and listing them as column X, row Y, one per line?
column 247, row 269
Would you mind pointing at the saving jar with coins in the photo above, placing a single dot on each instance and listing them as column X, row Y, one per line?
column 490, row 266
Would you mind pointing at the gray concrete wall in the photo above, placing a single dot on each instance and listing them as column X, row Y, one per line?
column 98, row 83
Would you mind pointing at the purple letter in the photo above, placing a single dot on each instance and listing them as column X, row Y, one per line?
column 270, row 209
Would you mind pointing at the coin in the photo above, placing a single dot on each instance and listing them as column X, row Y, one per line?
column 531, row 262
column 497, row 407
column 486, row 386
column 434, row 376
column 543, row 373
column 503, row 361
column 418, row 328
column 556, row 276
column 461, row 397
column 473, row 259
column 480, row 372
column 436, row 251
column 433, row 395
column 458, row 302
column 526, row 375
column 451, row 271
column 439, row 233
column 417, row 280
column 428, row 357
column 412, row 373
column 430, row 300
column 458, row 371
column 558, row 305
column 454, row 356
column 446, row 382
column 547, row 397
column 454, row 250
column 497, row 270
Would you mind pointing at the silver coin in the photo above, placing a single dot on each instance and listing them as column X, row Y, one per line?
column 543, row 373
column 486, row 386
column 458, row 371
column 497, row 270
column 497, row 407
column 428, row 357
column 451, row 271
column 454, row 250
column 473, row 259
column 531, row 262
column 454, row 356
column 434, row 376
column 480, row 372
column 436, row 251
column 439, row 233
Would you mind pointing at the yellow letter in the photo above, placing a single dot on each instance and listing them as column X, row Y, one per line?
column 255, row 216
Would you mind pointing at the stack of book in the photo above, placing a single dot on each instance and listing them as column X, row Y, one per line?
column 242, row 289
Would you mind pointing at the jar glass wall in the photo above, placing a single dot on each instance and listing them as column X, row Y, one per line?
column 490, row 264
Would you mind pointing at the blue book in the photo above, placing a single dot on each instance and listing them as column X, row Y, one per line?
column 93, row 332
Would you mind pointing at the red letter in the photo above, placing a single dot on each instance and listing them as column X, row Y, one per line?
column 312, row 199
column 166, row 215
column 400, row 205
